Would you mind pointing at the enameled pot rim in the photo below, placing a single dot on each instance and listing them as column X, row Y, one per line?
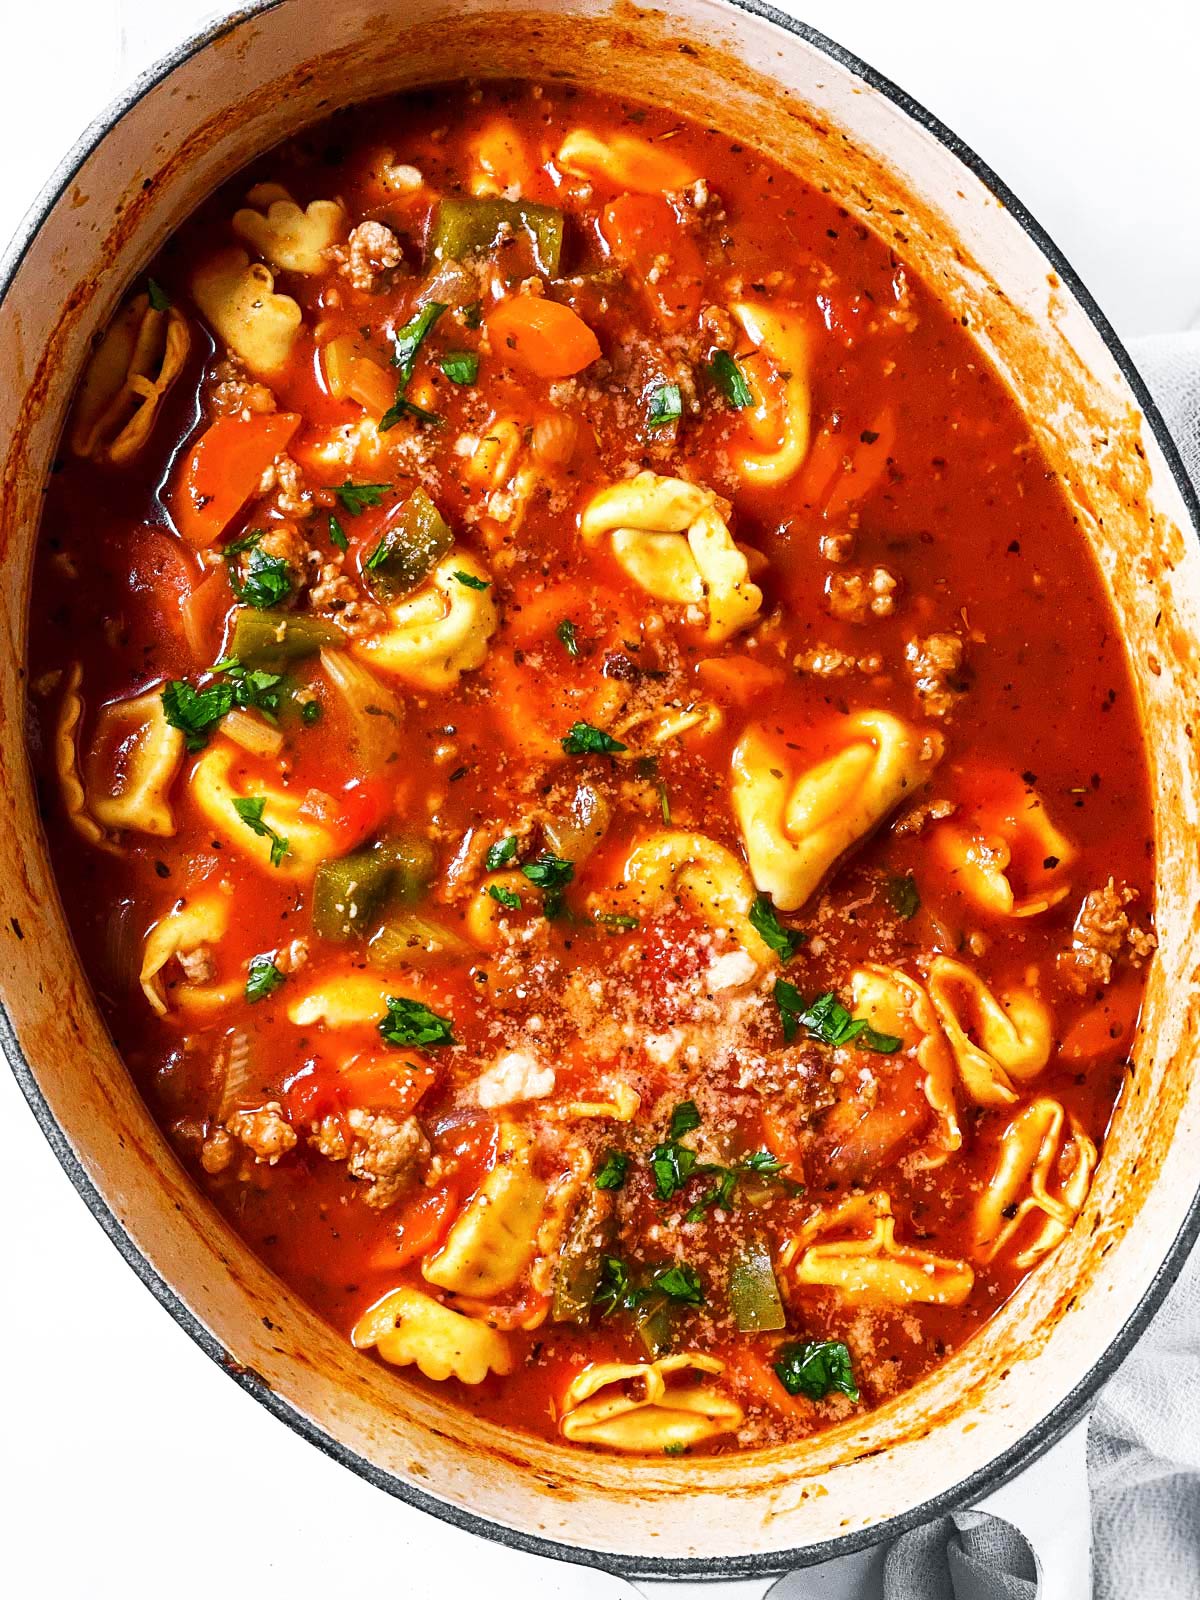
column 751, row 1564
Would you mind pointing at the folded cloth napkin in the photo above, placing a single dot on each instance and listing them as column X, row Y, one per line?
column 1144, row 1436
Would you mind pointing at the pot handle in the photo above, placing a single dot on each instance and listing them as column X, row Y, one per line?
column 1047, row 1503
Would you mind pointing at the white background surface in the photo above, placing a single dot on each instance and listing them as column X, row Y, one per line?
column 129, row 1465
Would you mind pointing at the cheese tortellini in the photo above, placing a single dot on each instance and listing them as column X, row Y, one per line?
column 636, row 1407
column 673, row 865
column 239, row 301
column 998, row 1042
column 494, row 1241
column 440, row 631
column 621, row 159
column 852, row 1247
column 797, row 827
column 669, row 536
column 188, row 934
column 134, row 757
column 220, row 778
column 341, row 1000
column 66, row 760
column 1010, row 860
column 779, row 337
column 409, row 1329
column 136, row 362
column 896, row 1004
column 1039, row 1145
column 289, row 238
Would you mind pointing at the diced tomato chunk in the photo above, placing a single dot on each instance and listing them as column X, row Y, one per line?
column 644, row 233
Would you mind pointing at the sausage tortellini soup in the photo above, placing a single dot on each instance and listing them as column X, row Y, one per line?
column 590, row 770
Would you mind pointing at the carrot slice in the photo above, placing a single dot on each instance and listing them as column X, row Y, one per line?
column 549, row 340
column 644, row 233
column 223, row 470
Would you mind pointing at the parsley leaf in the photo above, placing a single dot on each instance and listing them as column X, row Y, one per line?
column 904, row 896
column 407, row 341
column 684, row 1118
column 827, row 1020
column 765, row 922
column 618, row 921
column 672, row 1165
column 613, row 1170
column 461, row 366
column 550, row 874
column 337, row 534
column 680, row 1283
column 400, row 407
column 253, row 689
column 508, row 898
column 310, row 712
column 585, row 740
column 763, row 1162
column 157, row 295
column 666, row 406
column 356, row 497
column 266, row 581
column 816, row 1368
column 472, row 315
column 568, row 638
column 501, row 853
column 409, row 1022
column 614, row 1291
column 263, row 977
column 195, row 712
column 727, row 376
column 470, row 581
column 251, row 812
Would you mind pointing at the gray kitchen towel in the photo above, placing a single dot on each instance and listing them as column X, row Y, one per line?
column 1144, row 1437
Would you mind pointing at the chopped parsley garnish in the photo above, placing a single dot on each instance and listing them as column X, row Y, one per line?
column 568, row 638
column 157, row 295
column 585, row 740
column 470, row 581
column 251, row 812
column 356, row 497
column 461, row 366
column 677, row 1449
column 408, row 1022
column 196, row 712
column 827, row 1020
column 472, row 315
column 904, row 896
column 266, row 581
column 816, row 1368
column 550, row 874
column 400, row 407
column 618, row 921
column 501, row 853
column 407, row 341
column 616, row 1291
column 684, row 1118
column 680, row 1283
column 666, row 406
column 253, row 689
column 613, row 1170
column 508, row 898
column 263, row 977
column 337, row 534
column 310, row 712
column 765, row 922
column 727, row 376
column 672, row 1165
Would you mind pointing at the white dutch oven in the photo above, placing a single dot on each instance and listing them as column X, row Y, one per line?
column 1018, row 1387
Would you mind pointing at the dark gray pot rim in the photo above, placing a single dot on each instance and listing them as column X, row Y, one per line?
column 718, row 1568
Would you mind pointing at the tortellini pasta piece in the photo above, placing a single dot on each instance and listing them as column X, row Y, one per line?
column 1028, row 1182
column 664, row 723
column 502, row 166
column 896, row 1004
column 673, row 865
column 1011, row 841
column 136, row 362
column 134, row 757
column 623, row 160
column 187, row 934
column 485, row 915
column 621, row 1103
column 239, row 301
column 409, row 1329
column 634, row 1407
column 494, row 1241
column 220, row 776
column 440, row 631
column 66, row 760
column 291, row 239
column 670, row 537
column 998, row 1042
column 342, row 1000
column 780, row 337
column 870, row 1264
column 796, row 828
